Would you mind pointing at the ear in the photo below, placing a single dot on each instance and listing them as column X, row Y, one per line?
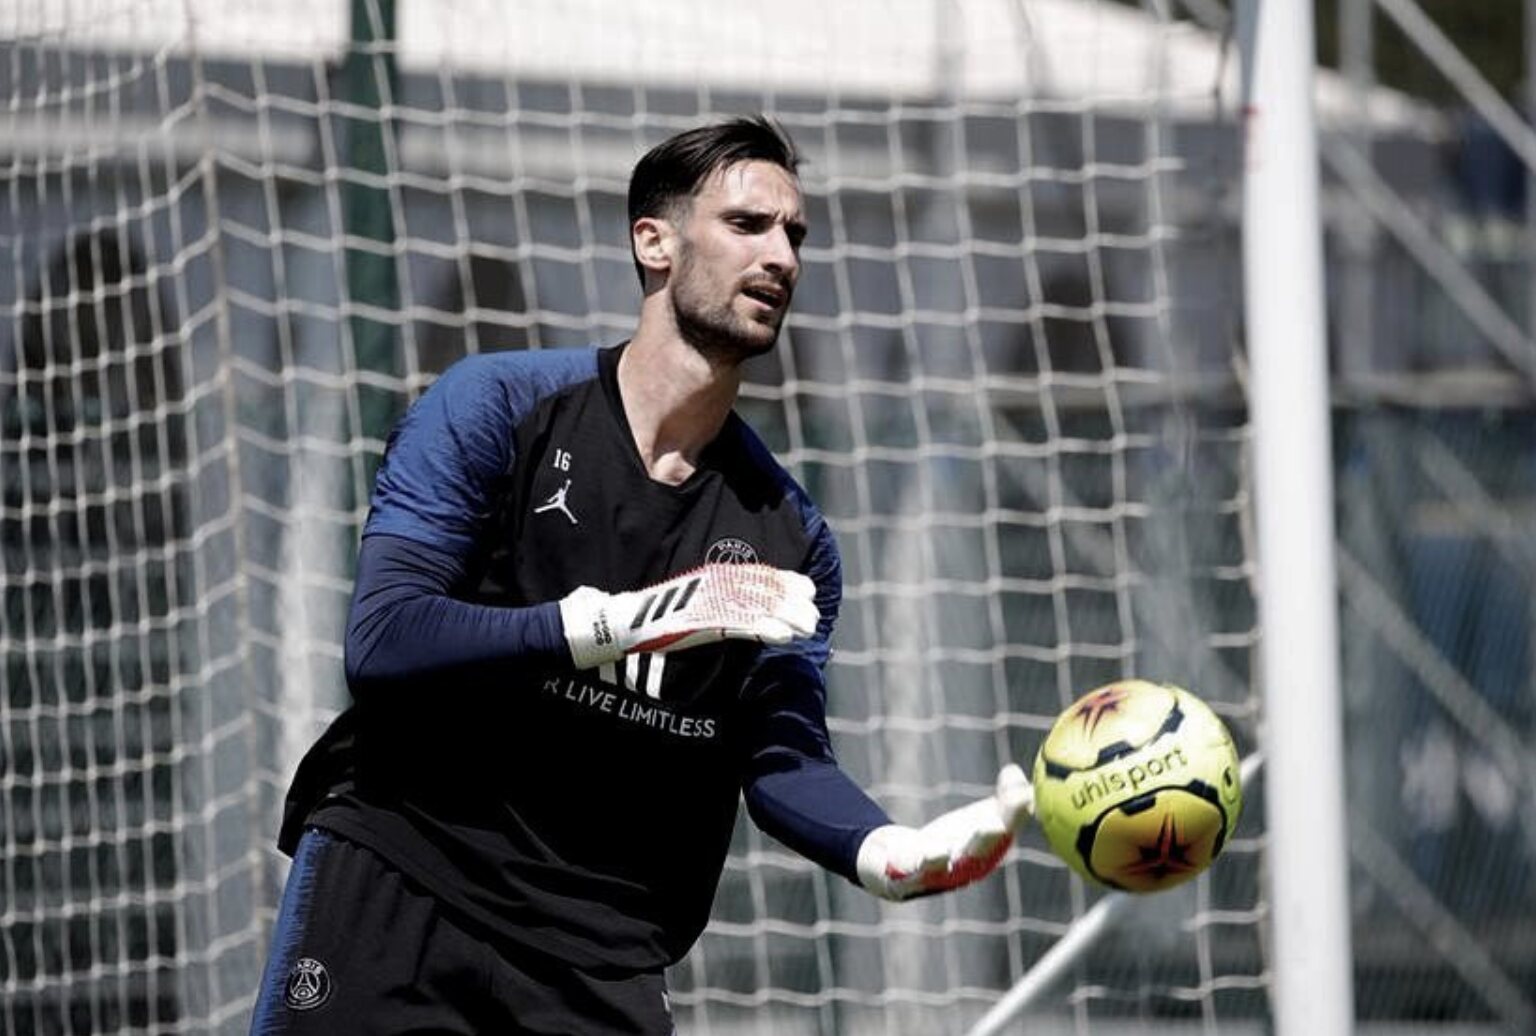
column 653, row 240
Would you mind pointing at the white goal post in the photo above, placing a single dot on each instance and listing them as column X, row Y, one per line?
column 1288, row 386
column 1287, row 349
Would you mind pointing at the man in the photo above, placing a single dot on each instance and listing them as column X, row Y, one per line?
column 591, row 613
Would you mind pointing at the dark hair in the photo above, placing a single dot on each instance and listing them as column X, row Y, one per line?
column 669, row 174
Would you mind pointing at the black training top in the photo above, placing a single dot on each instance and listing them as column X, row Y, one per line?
column 581, row 814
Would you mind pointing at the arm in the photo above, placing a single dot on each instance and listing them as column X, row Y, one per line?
column 796, row 793
column 794, row 789
column 404, row 623
column 447, row 462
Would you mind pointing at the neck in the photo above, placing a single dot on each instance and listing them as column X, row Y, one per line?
column 676, row 399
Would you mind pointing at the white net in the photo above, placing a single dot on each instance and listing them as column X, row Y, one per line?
column 237, row 246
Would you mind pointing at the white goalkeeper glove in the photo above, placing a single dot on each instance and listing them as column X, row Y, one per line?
column 710, row 603
column 897, row 862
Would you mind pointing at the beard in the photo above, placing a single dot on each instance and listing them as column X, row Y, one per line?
column 715, row 328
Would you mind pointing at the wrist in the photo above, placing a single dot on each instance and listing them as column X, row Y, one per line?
column 586, row 619
column 875, row 864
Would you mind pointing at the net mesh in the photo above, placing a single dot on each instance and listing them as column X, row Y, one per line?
column 238, row 245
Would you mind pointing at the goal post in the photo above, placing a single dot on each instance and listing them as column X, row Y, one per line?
column 1288, row 387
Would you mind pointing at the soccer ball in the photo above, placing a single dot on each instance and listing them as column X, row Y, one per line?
column 1137, row 786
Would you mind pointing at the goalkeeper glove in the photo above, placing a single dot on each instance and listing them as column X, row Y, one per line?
column 897, row 862
column 710, row 603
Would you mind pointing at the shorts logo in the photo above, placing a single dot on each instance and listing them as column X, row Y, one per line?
column 731, row 551
column 309, row 985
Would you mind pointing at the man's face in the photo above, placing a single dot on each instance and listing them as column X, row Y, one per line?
column 737, row 259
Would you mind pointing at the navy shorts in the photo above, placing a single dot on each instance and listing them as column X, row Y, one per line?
column 359, row 949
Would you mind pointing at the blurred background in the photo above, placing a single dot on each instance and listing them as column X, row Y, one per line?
column 236, row 241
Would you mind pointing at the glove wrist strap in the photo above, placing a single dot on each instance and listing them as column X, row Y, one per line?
column 874, row 857
column 589, row 632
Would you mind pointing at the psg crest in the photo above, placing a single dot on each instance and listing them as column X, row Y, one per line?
column 309, row 985
column 730, row 551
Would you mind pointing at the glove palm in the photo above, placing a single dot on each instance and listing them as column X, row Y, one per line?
column 898, row 862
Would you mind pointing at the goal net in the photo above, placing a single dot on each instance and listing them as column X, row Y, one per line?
column 237, row 244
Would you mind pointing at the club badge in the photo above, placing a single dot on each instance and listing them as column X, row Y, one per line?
column 309, row 985
column 730, row 551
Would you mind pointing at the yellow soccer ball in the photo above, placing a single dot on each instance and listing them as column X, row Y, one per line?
column 1137, row 786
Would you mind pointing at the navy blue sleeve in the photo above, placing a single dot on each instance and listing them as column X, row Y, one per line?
column 446, row 462
column 404, row 625
column 794, row 789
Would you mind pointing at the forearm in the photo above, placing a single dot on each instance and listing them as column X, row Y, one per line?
column 796, row 792
column 816, row 809
column 794, row 789
column 405, row 625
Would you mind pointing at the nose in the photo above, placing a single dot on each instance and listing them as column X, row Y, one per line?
column 780, row 255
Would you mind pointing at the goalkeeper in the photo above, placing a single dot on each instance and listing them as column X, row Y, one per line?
column 591, row 613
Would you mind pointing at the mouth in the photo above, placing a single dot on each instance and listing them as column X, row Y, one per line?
column 769, row 294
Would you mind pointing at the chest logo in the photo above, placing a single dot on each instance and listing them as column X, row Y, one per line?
column 730, row 551
column 556, row 502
